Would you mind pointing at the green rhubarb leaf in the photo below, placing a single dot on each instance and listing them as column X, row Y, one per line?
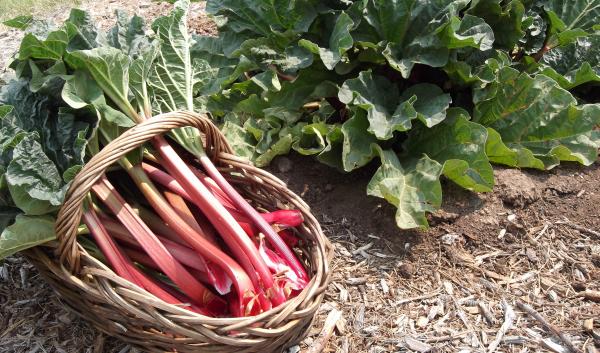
column 504, row 17
column 51, row 48
column 574, row 64
column 332, row 153
column 499, row 153
column 109, row 68
column 34, row 182
column 536, row 114
column 175, row 77
column 429, row 102
column 358, row 148
column 387, row 110
column 280, row 147
column 62, row 134
column 469, row 71
column 267, row 52
column 470, row 31
column 267, row 81
column 128, row 33
column 460, row 146
column 223, row 70
column 379, row 97
column 415, row 32
column 412, row 186
column 19, row 22
column 574, row 14
column 239, row 139
column 26, row 232
column 81, row 91
column 82, row 31
column 312, row 139
column 263, row 17
column 339, row 42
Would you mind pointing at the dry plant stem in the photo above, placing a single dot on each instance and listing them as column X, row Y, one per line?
column 326, row 333
column 548, row 326
column 509, row 318
column 580, row 228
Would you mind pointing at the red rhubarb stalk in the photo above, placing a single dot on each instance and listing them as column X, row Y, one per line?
column 231, row 232
column 182, row 209
column 244, row 286
column 264, row 227
column 286, row 218
column 153, row 247
column 123, row 265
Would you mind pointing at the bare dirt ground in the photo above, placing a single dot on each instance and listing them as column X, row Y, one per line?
column 516, row 270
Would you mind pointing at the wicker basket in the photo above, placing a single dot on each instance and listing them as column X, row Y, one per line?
column 122, row 309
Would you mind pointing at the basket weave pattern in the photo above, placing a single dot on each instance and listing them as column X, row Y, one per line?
column 120, row 308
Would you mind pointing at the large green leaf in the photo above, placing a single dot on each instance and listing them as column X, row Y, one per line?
column 26, row 232
column 263, row 17
column 109, row 68
column 574, row 64
column 19, row 22
column 416, row 32
column 412, row 186
column 358, row 148
column 460, row 146
column 81, row 91
column 35, row 183
column 128, row 33
column 573, row 14
column 388, row 111
column 51, row 48
column 536, row 114
column 505, row 17
column 339, row 42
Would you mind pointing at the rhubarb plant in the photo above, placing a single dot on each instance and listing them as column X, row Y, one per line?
column 428, row 90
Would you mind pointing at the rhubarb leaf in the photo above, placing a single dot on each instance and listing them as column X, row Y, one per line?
column 536, row 114
column 412, row 186
column 505, row 17
column 460, row 146
column 339, row 42
column 26, row 232
column 388, row 111
column 19, row 22
column 574, row 64
column 358, row 148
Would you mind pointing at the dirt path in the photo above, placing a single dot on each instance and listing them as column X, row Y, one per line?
column 459, row 287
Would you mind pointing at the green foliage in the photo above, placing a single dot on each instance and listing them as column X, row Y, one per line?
column 400, row 80
column 423, row 89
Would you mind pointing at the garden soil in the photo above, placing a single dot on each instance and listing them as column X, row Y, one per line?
column 514, row 270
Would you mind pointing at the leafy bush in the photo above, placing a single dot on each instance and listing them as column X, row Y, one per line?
column 429, row 88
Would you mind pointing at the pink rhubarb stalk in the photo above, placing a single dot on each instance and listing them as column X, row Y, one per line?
column 274, row 239
column 153, row 247
column 231, row 232
column 241, row 280
column 123, row 265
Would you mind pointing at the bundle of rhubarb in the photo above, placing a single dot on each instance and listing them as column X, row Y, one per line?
column 164, row 217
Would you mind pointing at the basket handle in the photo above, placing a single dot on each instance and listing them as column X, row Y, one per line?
column 69, row 215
